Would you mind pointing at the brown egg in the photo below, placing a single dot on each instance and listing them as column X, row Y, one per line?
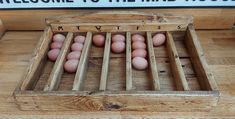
column 74, row 55
column 139, row 63
column 98, row 40
column 80, row 39
column 139, row 53
column 58, row 38
column 159, row 39
column 77, row 47
column 137, row 37
column 138, row 45
column 118, row 47
column 53, row 54
column 70, row 66
column 56, row 45
column 118, row 37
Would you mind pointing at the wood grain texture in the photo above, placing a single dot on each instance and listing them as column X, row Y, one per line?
column 105, row 66
column 58, row 68
column 176, row 66
column 128, row 62
column 152, row 60
column 218, row 46
column 38, row 60
column 213, row 18
column 82, row 66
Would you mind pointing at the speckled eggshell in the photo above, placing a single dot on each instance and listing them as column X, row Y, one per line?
column 137, row 37
column 118, row 37
column 139, row 63
column 138, row 45
column 139, row 53
column 77, row 47
column 74, row 55
column 118, row 47
column 70, row 66
column 58, row 38
column 56, row 45
column 53, row 54
column 80, row 39
column 98, row 40
column 159, row 39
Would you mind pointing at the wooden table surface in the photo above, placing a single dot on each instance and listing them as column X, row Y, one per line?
column 16, row 48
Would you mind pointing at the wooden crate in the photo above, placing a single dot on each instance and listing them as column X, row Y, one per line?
column 177, row 79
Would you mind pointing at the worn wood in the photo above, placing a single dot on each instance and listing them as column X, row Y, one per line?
column 198, row 59
column 204, row 18
column 111, row 101
column 82, row 66
column 58, row 68
column 152, row 60
column 176, row 65
column 105, row 66
column 37, row 61
column 218, row 45
column 128, row 62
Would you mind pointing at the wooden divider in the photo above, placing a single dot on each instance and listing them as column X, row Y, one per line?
column 177, row 70
column 128, row 62
column 206, row 78
column 38, row 60
column 83, row 64
column 105, row 65
column 152, row 60
column 58, row 69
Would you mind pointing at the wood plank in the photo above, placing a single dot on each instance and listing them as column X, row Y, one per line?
column 58, row 69
column 111, row 101
column 105, row 65
column 203, row 18
column 152, row 60
column 206, row 81
column 176, row 66
column 38, row 60
column 128, row 62
column 82, row 67
column 2, row 28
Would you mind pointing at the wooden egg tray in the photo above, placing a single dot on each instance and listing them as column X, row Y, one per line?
column 177, row 78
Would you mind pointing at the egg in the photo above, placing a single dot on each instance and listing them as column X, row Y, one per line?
column 58, row 38
column 74, row 55
column 138, row 45
column 159, row 39
column 139, row 63
column 98, row 40
column 118, row 37
column 139, row 53
column 77, row 47
column 137, row 37
column 70, row 66
column 118, row 47
column 56, row 45
column 53, row 54
column 80, row 39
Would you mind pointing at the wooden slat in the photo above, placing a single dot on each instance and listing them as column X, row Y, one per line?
column 38, row 60
column 105, row 65
column 206, row 78
column 57, row 71
column 177, row 70
column 83, row 64
column 128, row 62
column 152, row 61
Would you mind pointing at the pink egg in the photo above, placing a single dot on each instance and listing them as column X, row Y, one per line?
column 138, row 45
column 58, row 38
column 137, row 37
column 56, row 45
column 80, row 39
column 74, row 55
column 70, row 66
column 139, row 53
column 159, row 39
column 53, row 54
column 98, row 40
column 76, row 47
column 139, row 63
column 118, row 37
column 118, row 47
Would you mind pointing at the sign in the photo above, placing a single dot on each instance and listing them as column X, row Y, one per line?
column 9, row 4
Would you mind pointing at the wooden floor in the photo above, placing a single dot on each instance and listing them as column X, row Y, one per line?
column 16, row 48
